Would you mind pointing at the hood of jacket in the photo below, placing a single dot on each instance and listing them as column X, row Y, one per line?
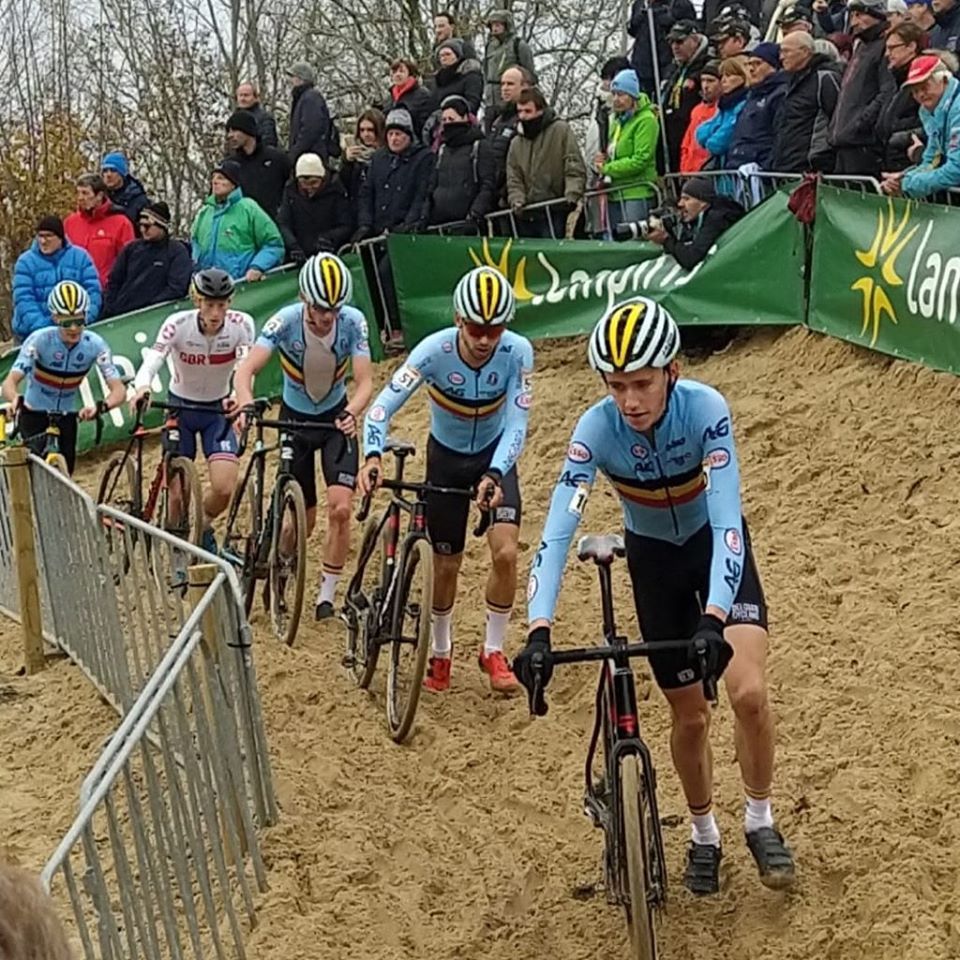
column 727, row 209
column 233, row 198
column 549, row 117
column 506, row 18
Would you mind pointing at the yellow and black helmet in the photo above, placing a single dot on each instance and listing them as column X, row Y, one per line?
column 484, row 295
column 326, row 282
column 632, row 335
column 68, row 299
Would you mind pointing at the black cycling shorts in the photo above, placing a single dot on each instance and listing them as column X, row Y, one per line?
column 670, row 585
column 33, row 424
column 447, row 515
column 339, row 465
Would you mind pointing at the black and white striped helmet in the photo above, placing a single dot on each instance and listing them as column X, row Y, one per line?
column 632, row 335
column 484, row 295
column 326, row 282
column 68, row 299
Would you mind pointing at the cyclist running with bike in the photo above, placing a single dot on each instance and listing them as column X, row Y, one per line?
column 478, row 379
column 667, row 447
column 203, row 346
column 53, row 363
column 318, row 339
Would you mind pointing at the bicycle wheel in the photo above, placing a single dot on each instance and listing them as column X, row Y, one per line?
column 188, row 524
column 410, row 645
column 362, row 606
column 118, row 492
column 243, row 532
column 288, row 573
column 643, row 944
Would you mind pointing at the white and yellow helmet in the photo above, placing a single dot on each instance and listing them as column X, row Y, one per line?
column 484, row 295
column 326, row 282
column 68, row 299
column 632, row 335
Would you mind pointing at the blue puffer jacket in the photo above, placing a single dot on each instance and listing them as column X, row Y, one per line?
column 36, row 274
column 939, row 168
column 716, row 133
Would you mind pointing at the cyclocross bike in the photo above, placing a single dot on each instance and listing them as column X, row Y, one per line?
column 384, row 606
column 622, row 799
column 255, row 540
column 50, row 453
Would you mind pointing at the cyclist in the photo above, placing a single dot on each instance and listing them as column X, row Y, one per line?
column 54, row 362
column 667, row 447
column 478, row 379
column 203, row 346
column 318, row 339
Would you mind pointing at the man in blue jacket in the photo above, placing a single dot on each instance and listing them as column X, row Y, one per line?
column 123, row 189
column 756, row 127
column 50, row 259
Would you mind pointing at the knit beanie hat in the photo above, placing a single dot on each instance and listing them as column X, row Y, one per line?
column 303, row 71
column 700, row 188
column 51, row 224
column 711, row 69
column 768, row 52
column 400, row 120
column 455, row 102
column 244, row 121
column 310, row 165
column 626, row 82
column 117, row 162
column 229, row 169
column 157, row 212
column 452, row 44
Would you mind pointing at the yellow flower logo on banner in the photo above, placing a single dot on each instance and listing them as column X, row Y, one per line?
column 518, row 280
column 888, row 244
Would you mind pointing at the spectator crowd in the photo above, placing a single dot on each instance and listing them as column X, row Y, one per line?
column 859, row 88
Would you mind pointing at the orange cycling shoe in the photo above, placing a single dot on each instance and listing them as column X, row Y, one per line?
column 438, row 675
column 496, row 667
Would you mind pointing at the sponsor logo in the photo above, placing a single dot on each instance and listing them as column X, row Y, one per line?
column 733, row 541
column 640, row 451
column 569, row 479
column 57, row 356
column 505, row 514
column 493, row 377
column 79, row 357
column 681, row 460
column 524, row 401
column 378, row 414
column 533, row 585
column 720, row 429
column 745, row 613
column 456, row 378
column 686, row 676
column 679, row 442
column 732, row 577
column 347, row 479
column 441, row 547
column 272, row 325
column 297, row 345
column 579, row 452
column 447, row 346
column 168, row 331
column 639, row 468
column 716, row 459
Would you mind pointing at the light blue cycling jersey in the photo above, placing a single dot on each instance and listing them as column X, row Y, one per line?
column 470, row 407
column 54, row 370
column 670, row 487
column 314, row 368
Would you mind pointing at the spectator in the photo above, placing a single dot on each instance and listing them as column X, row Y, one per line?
column 598, row 139
column 504, row 49
column 457, row 76
column 756, row 127
column 829, row 49
column 946, row 34
column 39, row 269
column 938, row 93
column 151, row 270
column 681, row 85
column 125, row 191
column 407, row 93
column 665, row 14
column 544, row 163
column 264, row 170
column 464, row 178
column 444, row 29
column 717, row 11
column 920, row 12
column 843, row 44
column 813, row 87
column 631, row 153
column 899, row 120
column 315, row 214
column 731, row 38
column 29, row 927
column 311, row 128
column 796, row 20
column 369, row 137
column 232, row 232
column 248, row 98
column 692, row 155
column 506, row 124
column 896, row 12
column 830, row 16
column 98, row 225
column 717, row 133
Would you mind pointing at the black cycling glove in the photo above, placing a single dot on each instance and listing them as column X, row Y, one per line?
column 533, row 667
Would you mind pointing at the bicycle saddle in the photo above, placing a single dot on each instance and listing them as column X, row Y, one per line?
column 601, row 548
column 400, row 447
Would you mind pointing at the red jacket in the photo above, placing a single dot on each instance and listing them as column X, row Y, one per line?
column 102, row 233
column 692, row 155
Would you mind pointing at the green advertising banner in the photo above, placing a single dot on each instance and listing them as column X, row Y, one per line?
column 753, row 276
column 132, row 333
column 886, row 274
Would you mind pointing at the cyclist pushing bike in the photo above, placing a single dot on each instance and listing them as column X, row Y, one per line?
column 478, row 379
column 667, row 447
column 318, row 339
column 53, row 363
column 203, row 345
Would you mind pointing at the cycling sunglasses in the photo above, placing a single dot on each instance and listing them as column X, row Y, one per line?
column 484, row 329
column 68, row 323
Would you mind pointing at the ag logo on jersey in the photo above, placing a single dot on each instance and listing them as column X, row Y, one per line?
column 734, row 541
column 579, row 452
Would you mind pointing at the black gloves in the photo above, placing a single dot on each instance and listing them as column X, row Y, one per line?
column 298, row 257
column 533, row 667
column 710, row 653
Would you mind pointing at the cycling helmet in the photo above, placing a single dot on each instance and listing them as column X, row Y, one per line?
column 326, row 282
column 213, row 283
column 68, row 299
column 632, row 335
column 484, row 295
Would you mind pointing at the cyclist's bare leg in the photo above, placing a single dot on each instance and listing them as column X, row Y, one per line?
column 216, row 498
column 501, row 582
column 336, row 541
column 690, row 747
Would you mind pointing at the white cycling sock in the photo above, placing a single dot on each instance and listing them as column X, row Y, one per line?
column 757, row 815
column 704, row 830
column 328, row 587
column 496, row 631
column 440, row 629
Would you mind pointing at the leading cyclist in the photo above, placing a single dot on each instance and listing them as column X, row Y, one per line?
column 204, row 345
column 54, row 362
column 667, row 447
column 478, row 378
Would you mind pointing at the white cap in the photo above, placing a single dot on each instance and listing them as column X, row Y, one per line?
column 897, row 6
column 310, row 165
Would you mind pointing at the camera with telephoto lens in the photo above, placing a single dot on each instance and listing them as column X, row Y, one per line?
column 662, row 218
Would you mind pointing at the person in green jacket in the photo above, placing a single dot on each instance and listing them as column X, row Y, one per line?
column 232, row 232
column 631, row 154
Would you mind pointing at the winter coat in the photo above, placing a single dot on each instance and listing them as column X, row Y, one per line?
column 396, row 190
column 867, row 85
column 102, row 233
column 801, row 142
column 263, row 175
column 352, row 175
column 464, row 178
column 697, row 238
column 632, row 153
column 899, row 120
column 692, row 155
column 266, row 125
column 311, row 129
column 665, row 14
column 148, row 273
column 681, row 93
column 756, row 126
column 716, row 133
column 501, row 52
column 939, row 168
column 547, row 167
column 235, row 236
column 36, row 274
column 464, row 79
column 946, row 34
column 504, row 128
column 418, row 101
column 321, row 222
column 131, row 198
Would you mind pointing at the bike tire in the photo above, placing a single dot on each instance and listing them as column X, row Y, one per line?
column 404, row 697
column 359, row 609
column 286, row 608
column 242, row 535
column 121, row 499
column 190, row 527
column 633, row 828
